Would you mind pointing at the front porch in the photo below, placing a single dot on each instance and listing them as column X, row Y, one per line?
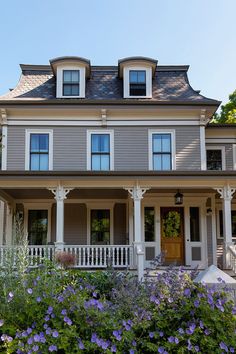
column 123, row 226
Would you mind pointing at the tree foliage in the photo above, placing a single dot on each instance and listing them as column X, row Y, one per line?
column 228, row 111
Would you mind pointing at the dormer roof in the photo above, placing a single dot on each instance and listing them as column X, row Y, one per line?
column 70, row 60
column 138, row 60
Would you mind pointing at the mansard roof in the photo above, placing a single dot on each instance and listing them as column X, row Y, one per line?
column 37, row 84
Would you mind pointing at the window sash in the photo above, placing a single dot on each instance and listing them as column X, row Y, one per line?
column 214, row 162
column 161, row 151
column 39, row 152
column 137, row 82
column 100, row 152
column 100, row 226
column 71, row 82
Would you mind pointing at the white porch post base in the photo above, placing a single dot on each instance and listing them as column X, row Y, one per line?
column 137, row 195
column 60, row 194
column 226, row 193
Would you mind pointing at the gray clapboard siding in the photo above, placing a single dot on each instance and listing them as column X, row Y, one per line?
column 130, row 147
column 120, row 235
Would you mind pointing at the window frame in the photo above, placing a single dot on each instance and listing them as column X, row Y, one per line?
column 89, row 148
column 28, row 133
column 126, row 78
column 70, row 83
column 60, row 82
column 223, row 162
column 150, row 147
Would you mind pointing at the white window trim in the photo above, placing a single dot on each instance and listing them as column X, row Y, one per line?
column 100, row 206
column 222, row 148
column 126, row 83
column 28, row 132
column 38, row 206
column 4, row 147
column 60, row 80
column 104, row 131
column 173, row 147
column 234, row 156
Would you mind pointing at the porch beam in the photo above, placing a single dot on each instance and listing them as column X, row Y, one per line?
column 60, row 194
column 226, row 194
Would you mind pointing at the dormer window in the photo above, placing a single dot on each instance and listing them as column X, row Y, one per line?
column 137, row 83
column 71, row 82
column 137, row 74
column 71, row 74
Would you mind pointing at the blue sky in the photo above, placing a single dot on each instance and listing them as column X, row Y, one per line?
column 201, row 33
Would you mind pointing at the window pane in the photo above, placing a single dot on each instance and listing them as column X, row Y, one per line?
column 34, row 162
column 34, row 142
column 100, row 227
column 133, row 76
column 156, row 142
column 166, row 139
column 142, row 77
column 66, row 90
column 104, row 143
column 74, row 90
column 166, row 163
column 43, row 142
column 43, row 162
column 75, row 76
column 66, row 76
column 105, row 162
column 37, row 227
column 96, row 162
column 233, row 213
column 214, row 159
column 157, row 162
column 194, row 224
column 149, row 224
column 95, row 143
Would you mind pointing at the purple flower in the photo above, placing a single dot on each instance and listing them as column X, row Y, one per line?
column 60, row 298
column 191, row 329
column 30, row 340
column 29, row 291
column 207, row 332
column 67, row 320
column 231, row 349
column 181, row 331
column 171, row 339
column 131, row 351
column 1, row 323
column 234, row 310
column 49, row 310
column 151, row 334
column 161, row 350
column 187, row 292
column 117, row 335
column 64, row 312
column 197, row 348
column 80, row 344
column 113, row 349
column 48, row 331
column 36, row 338
column 52, row 348
column 196, row 303
column 224, row 347
column 10, row 296
column 6, row 338
column 38, row 299
column 94, row 338
column 55, row 334
column 35, row 348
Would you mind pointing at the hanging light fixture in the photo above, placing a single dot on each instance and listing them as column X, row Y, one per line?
column 178, row 198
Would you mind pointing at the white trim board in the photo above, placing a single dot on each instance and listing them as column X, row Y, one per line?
column 98, row 123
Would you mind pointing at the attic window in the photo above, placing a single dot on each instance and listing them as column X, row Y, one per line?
column 137, row 83
column 71, row 82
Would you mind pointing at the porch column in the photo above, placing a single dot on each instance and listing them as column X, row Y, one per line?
column 137, row 195
column 9, row 224
column 60, row 194
column 1, row 221
column 226, row 193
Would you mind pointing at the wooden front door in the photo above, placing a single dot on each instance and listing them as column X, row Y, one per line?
column 172, row 235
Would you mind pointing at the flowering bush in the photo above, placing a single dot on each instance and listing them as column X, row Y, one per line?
column 71, row 312
column 65, row 259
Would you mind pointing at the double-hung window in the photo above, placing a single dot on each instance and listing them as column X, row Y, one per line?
column 39, row 149
column 100, row 150
column 71, row 82
column 39, row 152
column 215, row 158
column 137, row 82
column 161, row 151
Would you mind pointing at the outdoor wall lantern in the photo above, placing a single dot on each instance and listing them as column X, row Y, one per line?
column 178, row 198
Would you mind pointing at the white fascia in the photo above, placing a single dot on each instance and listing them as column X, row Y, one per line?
column 103, row 131
column 28, row 132
column 173, row 146
column 59, row 79
column 222, row 149
column 126, row 84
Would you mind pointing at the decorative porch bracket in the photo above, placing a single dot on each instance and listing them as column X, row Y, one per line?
column 137, row 194
column 226, row 193
column 60, row 194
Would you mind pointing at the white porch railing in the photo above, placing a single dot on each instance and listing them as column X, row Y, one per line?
column 101, row 256
column 232, row 253
column 36, row 254
column 86, row 256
